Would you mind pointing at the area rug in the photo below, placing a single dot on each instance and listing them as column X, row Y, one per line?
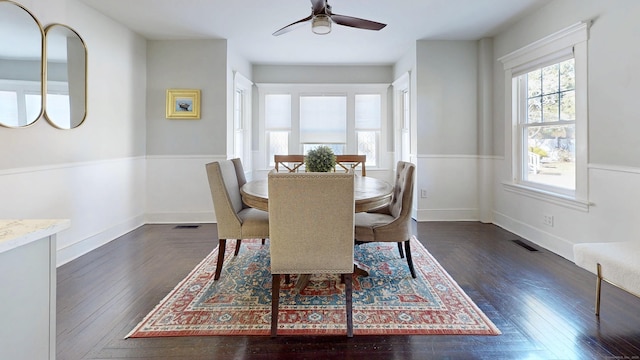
column 387, row 302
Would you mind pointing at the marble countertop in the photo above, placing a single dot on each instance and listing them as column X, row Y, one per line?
column 18, row 232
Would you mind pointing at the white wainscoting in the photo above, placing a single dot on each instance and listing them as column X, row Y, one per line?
column 103, row 199
column 451, row 185
column 178, row 189
column 613, row 213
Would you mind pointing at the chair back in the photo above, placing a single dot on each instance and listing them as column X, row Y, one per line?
column 402, row 201
column 349, row 163
column 290, row 162
column 311, row 222
column 225, row 179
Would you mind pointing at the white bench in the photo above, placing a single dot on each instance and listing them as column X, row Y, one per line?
column 617, row 263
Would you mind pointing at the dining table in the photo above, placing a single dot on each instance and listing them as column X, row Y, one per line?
column 369, row 193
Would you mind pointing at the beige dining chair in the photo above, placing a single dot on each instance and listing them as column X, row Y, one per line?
column 311, row 230
column 349, row 163
column 235, row 220
column 391, row 223
column 291, row 163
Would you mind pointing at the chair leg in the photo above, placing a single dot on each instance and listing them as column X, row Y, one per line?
column 275, row 299
column 407, row 250
column 598, row 289
column 349, row 303
column 222, row 245
column 238, row 243
column 400, row 250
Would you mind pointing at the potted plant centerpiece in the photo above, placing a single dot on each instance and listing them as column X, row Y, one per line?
column 320, row 159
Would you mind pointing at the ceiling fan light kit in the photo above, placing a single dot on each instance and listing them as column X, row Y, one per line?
column 321, row 25
column 321, row 18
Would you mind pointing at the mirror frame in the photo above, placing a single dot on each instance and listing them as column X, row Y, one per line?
column 42, row 66
column 45, row 61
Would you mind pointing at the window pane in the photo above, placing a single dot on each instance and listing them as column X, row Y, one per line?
column 9, row 106
column 551, row 156
column 368, row 145
column 338, row 149
column 58, row 107
column 278, row 144
column 33, row 103
column 567, row 75
column 534, row 110
column 550, row 79
column 323, row 119
column 568, row 106
column 368, row 111
column 534, row 83
column 277, row 111
column 550, row 108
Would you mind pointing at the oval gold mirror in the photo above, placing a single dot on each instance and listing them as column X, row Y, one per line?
column 21, row 66
column 66, row 84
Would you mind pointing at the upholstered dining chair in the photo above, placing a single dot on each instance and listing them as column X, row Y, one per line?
column 235, row 220
column 311, row 230
column 391, row 223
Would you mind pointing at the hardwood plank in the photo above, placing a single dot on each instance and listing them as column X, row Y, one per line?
column 542, row 303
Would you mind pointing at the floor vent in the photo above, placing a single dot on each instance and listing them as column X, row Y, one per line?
column 187, row 226
column 524, row 245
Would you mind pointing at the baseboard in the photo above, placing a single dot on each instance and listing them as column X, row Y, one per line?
column 180, row 218
column 71, row 252
column 553, row 243
column 447, row 215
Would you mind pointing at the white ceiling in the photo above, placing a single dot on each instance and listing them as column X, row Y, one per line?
column 248, row 25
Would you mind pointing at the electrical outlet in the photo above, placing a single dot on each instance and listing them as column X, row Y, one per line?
column 423, row 193
column 547, row 220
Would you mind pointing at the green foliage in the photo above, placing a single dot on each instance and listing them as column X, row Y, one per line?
column 539, row 151
column 320, row 159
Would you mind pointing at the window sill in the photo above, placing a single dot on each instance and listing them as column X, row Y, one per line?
column 547, row 196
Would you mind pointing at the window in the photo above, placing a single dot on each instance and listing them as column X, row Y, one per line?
column 368, row 119
column 547, row 97
column 547, row 125
column 239, row 136
column 323, row 121
column 277, row 115
column 347, row 118
column 402, row 118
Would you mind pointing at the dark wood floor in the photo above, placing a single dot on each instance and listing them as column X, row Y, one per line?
column 542, row 303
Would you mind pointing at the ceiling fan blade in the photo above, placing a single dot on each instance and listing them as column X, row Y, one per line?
column 356, row 22
column 292, row 26
column 318, row 6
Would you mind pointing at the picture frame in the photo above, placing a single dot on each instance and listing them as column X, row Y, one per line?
column 183, row 104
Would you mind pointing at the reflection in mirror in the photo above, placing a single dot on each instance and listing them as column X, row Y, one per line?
column 21, row 66
column 66, row 100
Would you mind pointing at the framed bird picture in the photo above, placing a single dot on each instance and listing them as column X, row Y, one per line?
column 183, row 104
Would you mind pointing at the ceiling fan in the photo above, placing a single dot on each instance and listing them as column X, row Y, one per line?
column 321, row 18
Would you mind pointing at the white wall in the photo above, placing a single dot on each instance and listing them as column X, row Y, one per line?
column 614, row 161
column 92, row 175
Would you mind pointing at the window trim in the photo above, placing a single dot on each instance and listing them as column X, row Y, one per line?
column 571, row 39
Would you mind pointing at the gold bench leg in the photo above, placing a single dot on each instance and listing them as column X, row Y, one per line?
column 598, row 287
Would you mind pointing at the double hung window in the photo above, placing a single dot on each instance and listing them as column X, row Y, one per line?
column 546, row 87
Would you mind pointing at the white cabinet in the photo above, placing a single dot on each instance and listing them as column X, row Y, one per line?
column 28, row 288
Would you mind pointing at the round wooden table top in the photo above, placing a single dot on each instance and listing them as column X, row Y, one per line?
column 370, row 193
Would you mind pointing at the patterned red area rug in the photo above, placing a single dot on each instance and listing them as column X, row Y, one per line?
column 387, row 302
